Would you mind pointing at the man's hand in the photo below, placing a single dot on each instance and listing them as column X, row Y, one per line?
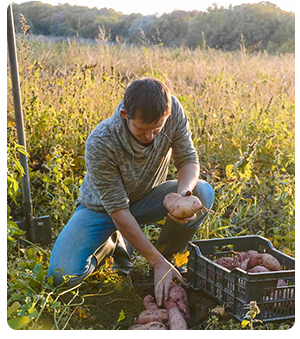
column 186, row 192
column 180, row 221
column 164, row 272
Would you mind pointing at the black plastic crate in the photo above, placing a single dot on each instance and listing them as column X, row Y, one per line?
column 237, row 288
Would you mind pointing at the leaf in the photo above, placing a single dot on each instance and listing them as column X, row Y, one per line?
column 109, row 262
column 219, row 309
column 181, row 258
column 40, row 276
column 81, row 313
column 121, row 316
column 31, row 254
column 19, row 323
column 19, row 167
column 55, row 169
column 290, row 236
column 17, row 285
column 50, row 280
column 38, row 268
column 287, row 251
column 245, row 323
column 65, row 188
column 22, row 150
column 14, row 229
column 229, row 174
column 33, row 312
column 162, row 222
column 13, row 308
column 10, row 238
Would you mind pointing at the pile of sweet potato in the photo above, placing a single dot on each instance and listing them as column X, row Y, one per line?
column 173, row 316
column 252, row 262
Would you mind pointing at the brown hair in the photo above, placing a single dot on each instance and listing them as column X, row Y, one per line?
column 147, row 99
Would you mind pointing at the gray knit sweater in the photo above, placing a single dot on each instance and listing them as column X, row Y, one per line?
column 118, row 175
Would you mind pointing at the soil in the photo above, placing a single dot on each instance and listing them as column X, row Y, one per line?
column 104, row 300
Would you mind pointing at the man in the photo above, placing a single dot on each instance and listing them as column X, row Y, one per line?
column 127, row 158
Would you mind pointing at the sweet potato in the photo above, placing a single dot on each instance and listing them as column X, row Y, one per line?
column 281, row 283
column 227, row 262
column 241, row 256
column 244, row 264
column 176, row 319
column 254, row 260
column 182, row 207
column 154, row 325
column 159, row 315
column 270, row 262
column 258, row 269
column 179, row 299
column 281, row 294
column 149, row 303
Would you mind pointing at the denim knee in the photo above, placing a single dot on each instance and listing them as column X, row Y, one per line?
column 205, row 192
column 67, row 279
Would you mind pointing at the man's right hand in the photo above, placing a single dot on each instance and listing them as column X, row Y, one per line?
column 164, row 273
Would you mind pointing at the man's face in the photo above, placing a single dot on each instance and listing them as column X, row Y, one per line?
column 142, row 132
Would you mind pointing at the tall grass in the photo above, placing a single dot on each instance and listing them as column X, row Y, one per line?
column 232, row 100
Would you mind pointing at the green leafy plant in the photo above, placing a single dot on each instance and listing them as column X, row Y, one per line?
column 121, row 317
column 251, row 315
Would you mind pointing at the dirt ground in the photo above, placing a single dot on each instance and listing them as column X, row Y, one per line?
column 104, row 300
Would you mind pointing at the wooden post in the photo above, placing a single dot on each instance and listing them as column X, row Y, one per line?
column 13, row 61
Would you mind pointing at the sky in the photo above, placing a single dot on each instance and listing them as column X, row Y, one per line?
column 163, row 6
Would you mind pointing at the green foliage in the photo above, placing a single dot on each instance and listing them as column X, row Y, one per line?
column 14, row 170
column 29, row 289
column 121, row 317
column 14, row 173
column 251, row 315
column 261, row 26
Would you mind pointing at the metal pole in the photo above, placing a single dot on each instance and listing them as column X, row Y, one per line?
column 13, row 61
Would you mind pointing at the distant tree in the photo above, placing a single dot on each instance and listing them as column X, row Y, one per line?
column 258, row 23
column 264, row 26
column 283, row 40
column 122, row 27
column 107, row 20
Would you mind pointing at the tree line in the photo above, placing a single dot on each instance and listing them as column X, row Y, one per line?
column 262, row 26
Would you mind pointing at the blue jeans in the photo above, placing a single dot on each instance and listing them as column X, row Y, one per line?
column 73, row 253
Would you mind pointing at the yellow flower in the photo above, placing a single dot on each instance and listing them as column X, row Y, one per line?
column 181, row 258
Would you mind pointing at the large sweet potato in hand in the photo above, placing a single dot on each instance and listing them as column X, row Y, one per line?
column 182, row 207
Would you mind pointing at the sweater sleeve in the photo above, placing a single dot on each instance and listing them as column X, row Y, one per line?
column 184, row 151
column 105, row 175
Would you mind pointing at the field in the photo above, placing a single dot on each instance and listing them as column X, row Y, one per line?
column 241, row 109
